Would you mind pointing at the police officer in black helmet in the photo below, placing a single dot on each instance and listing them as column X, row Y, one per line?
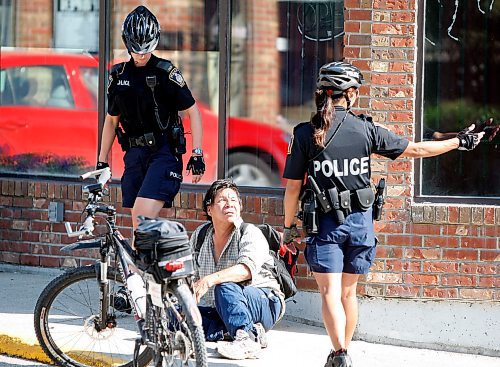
column 145, row 96
column 333, row 150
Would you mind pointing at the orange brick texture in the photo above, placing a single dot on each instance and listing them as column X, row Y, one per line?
column 425, row 251
column 431, row 253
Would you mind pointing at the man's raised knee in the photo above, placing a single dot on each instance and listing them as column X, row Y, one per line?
column 226, row 288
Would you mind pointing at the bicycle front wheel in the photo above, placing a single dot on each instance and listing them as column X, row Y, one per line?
column 67, row 327
column 180, row 338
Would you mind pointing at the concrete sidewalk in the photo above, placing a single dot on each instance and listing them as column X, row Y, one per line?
column 290, row 343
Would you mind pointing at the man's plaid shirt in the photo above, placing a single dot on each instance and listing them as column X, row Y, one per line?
column 250, row 249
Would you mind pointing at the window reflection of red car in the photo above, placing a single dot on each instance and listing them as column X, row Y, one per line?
column 48, row 106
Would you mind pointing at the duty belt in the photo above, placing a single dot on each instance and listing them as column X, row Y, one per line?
column 140, row 141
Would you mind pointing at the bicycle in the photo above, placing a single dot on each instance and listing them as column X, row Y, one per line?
column 88, row 317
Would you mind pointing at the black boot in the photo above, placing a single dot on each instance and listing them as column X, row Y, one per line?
column 120, row 301
column 339, row 358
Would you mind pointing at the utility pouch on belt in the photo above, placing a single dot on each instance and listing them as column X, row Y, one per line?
column 309, row 214
column 150, row 141
column 122, row 139
column 334, row 199
column 365, row 198
column 345, row 201
column 177, row 138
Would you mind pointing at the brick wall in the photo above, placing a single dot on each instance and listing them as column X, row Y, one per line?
column 34, row 23
column 432, row 251
column 436, row 251
column 261, row 60
column 439, row 252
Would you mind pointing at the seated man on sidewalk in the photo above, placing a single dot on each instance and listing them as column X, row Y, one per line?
column 239, row 298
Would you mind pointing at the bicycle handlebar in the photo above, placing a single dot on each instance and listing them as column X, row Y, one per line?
column 85, row 230
column 103, row 175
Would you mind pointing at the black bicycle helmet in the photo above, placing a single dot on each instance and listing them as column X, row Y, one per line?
column 339, row 76
column 141, row 31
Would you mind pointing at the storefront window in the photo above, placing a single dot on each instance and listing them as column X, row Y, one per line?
column 461, row 54
column 48, row 118
column 49, row 79
column 189, row 39
column 276, row 51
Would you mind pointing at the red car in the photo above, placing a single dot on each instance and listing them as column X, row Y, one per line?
column 48, row 116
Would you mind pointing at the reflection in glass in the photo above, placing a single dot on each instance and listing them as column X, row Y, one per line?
column 276, row 51
column 189, row 39
column 48, row 118
column 461, row 55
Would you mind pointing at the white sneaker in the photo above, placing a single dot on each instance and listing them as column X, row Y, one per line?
column 242, row 347
column 261, row 334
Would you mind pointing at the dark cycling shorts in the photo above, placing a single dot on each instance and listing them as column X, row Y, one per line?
column 153, row 175
column 345, row 248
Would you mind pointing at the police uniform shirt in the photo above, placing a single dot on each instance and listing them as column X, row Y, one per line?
column 346, row 160
column 130, row 97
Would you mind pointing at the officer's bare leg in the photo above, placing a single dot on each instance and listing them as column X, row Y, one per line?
column 147, row 207
column 334, row 316
column 350, row 303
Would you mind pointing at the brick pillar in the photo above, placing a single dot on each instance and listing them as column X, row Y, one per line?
column 262, row 71
column 34, row 23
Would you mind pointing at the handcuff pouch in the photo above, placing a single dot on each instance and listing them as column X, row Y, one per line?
column 365, row 198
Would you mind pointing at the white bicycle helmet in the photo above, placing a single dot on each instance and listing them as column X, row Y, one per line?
column 141, row 31
column 339, row 76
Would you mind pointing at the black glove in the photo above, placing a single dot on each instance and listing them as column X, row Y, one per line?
column 468, row 139
column 196, row 165
column 101, row 165
column 290, row 233
column 489, row 127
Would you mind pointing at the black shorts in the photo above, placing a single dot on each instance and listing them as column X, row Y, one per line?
column 345, row 248
column 151, row 174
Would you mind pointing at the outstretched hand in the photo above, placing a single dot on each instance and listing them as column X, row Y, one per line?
column 468, row 139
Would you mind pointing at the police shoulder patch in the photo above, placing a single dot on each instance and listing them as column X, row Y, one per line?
column 176, row 76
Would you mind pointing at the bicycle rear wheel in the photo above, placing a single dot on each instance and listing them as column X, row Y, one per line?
column 65, row 323
column 180, row 340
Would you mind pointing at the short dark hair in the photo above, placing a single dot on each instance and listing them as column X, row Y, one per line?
column 216, row 187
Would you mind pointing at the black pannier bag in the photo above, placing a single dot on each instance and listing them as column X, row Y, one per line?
column 163, row 249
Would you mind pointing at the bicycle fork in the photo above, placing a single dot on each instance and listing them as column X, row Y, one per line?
column 102, row 278
column 125, row 260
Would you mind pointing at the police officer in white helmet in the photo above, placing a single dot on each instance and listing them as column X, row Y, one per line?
column 145, row 96
column 333, row 151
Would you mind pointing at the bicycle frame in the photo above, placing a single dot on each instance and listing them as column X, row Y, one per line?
column 114, row 240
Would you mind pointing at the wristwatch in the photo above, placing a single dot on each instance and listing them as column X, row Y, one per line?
column 197, row 151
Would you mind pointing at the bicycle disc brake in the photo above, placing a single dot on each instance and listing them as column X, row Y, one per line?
column 183, row 345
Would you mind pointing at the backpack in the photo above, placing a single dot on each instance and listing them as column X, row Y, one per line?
column 285, row 262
